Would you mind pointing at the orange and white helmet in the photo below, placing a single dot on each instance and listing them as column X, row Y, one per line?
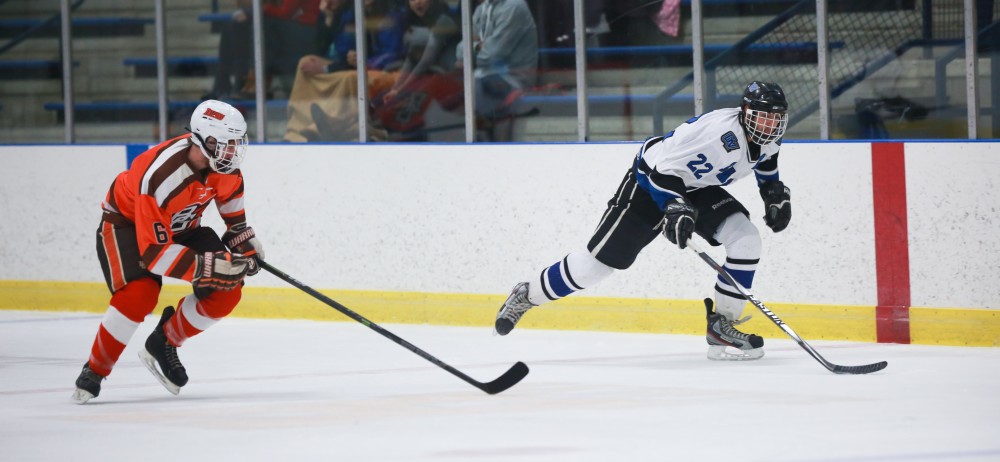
column 221, row 133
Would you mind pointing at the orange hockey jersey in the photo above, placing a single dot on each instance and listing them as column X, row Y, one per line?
column 163, row 196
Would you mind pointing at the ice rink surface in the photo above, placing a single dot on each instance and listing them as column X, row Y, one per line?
column 301, row 390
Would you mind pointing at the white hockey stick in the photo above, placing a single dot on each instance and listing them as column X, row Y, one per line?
column 837, row 369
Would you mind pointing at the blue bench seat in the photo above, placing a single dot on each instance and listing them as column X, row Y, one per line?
column 660, row 50
column 682, row 55
column 217, row 20
column 29, row 69
column 182, row 66
column 82, row 27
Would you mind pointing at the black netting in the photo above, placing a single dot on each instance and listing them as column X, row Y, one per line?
column 862, row 37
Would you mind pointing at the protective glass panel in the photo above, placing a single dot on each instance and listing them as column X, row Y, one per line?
column 769, row 42
column 988, row 54
column 323, row 102
column 548, row 110
column 109, row 105
column 900, row 72
column 897, row 69
column 196, row 60
column 414, row 86
column 420, row 95
column 635, row 49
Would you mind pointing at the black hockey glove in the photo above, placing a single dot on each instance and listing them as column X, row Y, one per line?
column 219, row 271
column 678, row 222
column 241, row 239
column 777, row 205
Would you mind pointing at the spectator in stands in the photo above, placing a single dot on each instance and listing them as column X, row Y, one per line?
column 555, row 22
column 323, row 102
column 290, row 34
column 505, row 51
column 427, row 74
column 289, row 28
column 235, row 53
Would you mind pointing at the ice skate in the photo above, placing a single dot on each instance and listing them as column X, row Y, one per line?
column 160, row 357
column 516, row 305
column 88, row 385
column 722, row 334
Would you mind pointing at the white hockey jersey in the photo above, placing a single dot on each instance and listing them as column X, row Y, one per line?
column 708, row 150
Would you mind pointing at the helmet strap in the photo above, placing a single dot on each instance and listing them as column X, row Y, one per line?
column 203, row 146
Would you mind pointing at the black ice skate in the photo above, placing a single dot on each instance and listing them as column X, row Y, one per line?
column 722, row 334
column 160, row 357
column 88, row 385
column 516, row 305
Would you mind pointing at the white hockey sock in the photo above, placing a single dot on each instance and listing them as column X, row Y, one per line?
column 577, row 271
column 742, row 242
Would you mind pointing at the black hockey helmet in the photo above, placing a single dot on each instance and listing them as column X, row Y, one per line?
column 764, row 113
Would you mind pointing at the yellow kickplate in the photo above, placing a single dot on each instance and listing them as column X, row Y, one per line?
column 951, row 326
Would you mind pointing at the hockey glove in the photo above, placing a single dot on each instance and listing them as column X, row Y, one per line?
column 219, row 271
column 678, row 223
column 777, row 205
column 241, row 239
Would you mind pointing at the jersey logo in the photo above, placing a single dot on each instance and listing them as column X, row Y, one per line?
column 730, row 142
column 184, row 218
column 203, row 192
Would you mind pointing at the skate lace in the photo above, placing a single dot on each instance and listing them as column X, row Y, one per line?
column 170, row 352
column 726, row 326
column 518, row 306
column 90, row 376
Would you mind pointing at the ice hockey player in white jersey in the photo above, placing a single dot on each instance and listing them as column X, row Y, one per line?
column 675, row 188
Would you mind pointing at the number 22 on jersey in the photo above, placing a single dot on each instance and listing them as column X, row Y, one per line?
column 701, row 166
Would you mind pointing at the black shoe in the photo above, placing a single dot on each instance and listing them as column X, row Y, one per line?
column 88, row 385
column 160, row 357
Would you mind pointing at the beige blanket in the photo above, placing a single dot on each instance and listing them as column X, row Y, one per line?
column 335, row 94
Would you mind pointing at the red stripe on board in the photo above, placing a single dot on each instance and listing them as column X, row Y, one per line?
column 892, row 258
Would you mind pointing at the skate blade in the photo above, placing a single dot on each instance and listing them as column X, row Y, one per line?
column 719, row 353
column 81, row 396
column 150, row 362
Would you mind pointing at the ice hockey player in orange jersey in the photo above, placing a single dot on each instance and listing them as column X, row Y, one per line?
column 151, row 228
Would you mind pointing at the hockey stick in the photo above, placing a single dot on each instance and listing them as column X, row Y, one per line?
column 837, row 369
column 513, row 375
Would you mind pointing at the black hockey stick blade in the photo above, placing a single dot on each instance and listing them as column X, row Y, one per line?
column 510, row 378
column 835, row 368
column 866, row 369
